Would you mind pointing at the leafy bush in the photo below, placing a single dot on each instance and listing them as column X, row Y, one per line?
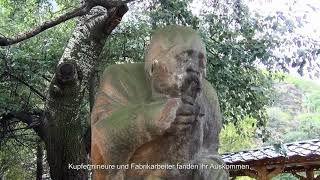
column 238, row 137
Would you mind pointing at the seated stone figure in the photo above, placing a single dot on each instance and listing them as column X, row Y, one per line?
column 160, row 112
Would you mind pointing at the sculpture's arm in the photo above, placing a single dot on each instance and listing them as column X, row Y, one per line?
column 213, row 122
column 128, row 128
column 122, row 121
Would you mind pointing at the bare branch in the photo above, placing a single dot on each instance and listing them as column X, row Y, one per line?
column 43, row 97
column 80, row 11
column 46, row 25
column 45, row 77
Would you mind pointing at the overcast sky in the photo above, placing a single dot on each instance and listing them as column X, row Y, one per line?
column 308, row 9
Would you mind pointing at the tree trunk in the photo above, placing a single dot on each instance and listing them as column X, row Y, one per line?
column 65, row 142
column 39, row 161
column 92, row 88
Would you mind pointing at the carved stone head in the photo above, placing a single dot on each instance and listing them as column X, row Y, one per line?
column 174, row 51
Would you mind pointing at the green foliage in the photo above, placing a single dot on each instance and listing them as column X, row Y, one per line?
column 166, row 12
column 295, row 136
column 285, row 176
column 232, row 53
column 279, row 124
column 289, row 176
column 309, row 117
column 237, row 137
column 127, row 44
column 312, row 90
column 244, row 178
column 19, row 166
column 297, row 121
column 276, row 114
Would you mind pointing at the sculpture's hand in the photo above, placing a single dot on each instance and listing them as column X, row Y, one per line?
column 190, row 88
column 189, row 109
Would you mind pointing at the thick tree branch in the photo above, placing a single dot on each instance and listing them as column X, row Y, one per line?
column 28, row 118
column 80, row 11
column 114, row 19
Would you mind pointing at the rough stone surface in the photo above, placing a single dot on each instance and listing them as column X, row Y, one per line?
column 162, row 111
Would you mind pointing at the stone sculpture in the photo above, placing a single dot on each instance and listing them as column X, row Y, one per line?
column 161, row 112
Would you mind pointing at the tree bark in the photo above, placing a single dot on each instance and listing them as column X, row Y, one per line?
column 65, row 141
column 39, row 161
column 92, row 88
